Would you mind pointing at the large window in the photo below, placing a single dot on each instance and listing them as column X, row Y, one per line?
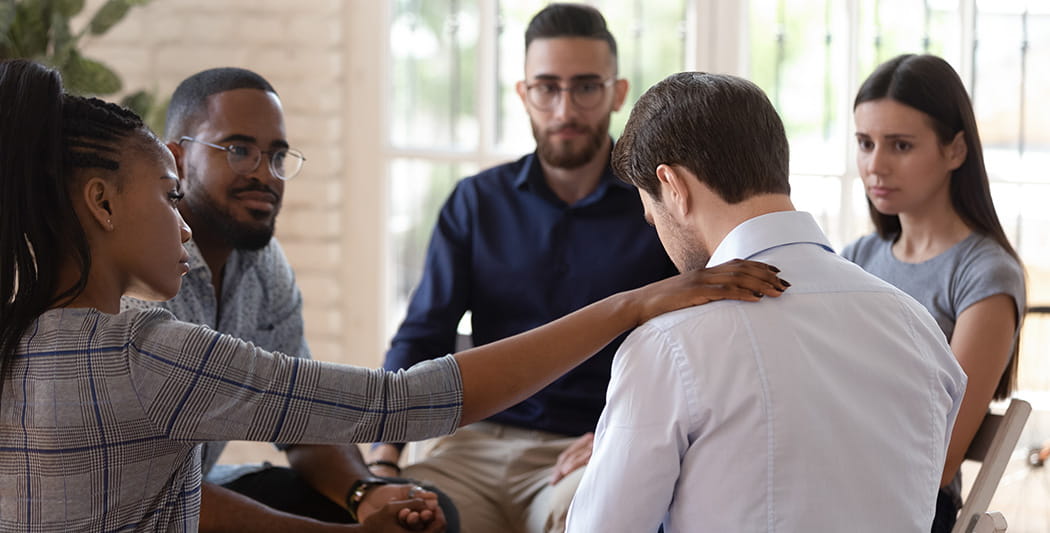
column 453, row 109
column 811, row 55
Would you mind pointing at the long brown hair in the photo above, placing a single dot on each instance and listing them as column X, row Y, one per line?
column 929, row 84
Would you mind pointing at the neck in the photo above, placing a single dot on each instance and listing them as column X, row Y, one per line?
column 573, row 185
column 929, row 233
column 100, row 292
column 214, row 249
column 715, row 222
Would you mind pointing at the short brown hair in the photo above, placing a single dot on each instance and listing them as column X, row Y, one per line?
column 721, row 128
column 569, row 20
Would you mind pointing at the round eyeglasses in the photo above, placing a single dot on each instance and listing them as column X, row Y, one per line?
column 545, row 95
column 244, row 158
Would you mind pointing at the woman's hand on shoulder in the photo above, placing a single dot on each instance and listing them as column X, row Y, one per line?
column 738, row 279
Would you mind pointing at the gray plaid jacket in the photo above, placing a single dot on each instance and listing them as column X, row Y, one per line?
column 102, row 415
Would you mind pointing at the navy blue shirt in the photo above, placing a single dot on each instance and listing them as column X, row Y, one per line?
column 509, row 250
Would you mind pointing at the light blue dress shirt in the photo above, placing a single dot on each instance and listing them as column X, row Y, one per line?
column 827, row 409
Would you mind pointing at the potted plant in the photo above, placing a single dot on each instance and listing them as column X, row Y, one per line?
column 41, row 30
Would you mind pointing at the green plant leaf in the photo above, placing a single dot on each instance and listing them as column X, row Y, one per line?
column 112, row 12
column 157, row 117
column 146, row 105
column 6, row 45
column 63, row 41
column 68, row 8
column 89, row 77
column 140, row 102
column 7, row 17
column 30, row 29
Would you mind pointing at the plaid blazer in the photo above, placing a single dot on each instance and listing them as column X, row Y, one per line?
column 101, row 415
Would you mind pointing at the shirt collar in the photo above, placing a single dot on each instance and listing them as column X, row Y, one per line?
column 769, row 231
column 196, row 259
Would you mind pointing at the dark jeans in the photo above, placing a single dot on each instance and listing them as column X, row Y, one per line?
column 285, row 490
column 944, row 520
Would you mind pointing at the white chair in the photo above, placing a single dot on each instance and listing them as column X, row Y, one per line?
column 992, row 446
column 992, row 522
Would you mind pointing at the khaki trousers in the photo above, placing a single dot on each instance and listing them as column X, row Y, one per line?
column 499, row 478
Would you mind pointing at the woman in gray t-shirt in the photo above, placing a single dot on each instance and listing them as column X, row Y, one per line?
column 937, row 235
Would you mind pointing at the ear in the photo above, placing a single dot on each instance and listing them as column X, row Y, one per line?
column 957, row 150
column 522, row 90
column 674, row 191
column 177, row 151
column 98, row 200
column 620, row 88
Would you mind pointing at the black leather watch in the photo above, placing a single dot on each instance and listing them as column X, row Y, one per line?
column 358, row 491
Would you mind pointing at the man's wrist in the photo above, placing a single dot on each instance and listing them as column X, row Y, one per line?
column 357, row 494
column 380, row 463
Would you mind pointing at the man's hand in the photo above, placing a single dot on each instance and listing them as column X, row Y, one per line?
column 414, row 509
column 575, row 456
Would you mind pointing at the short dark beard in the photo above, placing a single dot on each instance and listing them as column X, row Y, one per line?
column 694, row 255
column 210, row 217
column 550, row 154
column 220, row 222
column 696, row 258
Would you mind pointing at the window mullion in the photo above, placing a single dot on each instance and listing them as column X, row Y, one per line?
column 716, row 36
column 968, row 43
column 488, row 77
column 847, row 217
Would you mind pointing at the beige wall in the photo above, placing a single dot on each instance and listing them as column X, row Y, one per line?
column 321, row 56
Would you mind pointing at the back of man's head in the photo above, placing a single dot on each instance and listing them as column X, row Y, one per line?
column 189, row 102
column 569, row 20
column 721, row 128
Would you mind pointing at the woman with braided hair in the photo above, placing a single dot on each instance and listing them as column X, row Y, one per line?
column 101, row 412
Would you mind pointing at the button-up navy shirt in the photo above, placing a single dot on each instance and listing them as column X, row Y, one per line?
column 509, row 250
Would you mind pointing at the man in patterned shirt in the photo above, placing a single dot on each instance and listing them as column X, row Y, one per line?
column 226, row 129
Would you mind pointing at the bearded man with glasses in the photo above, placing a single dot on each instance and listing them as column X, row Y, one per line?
column 519, row 245
column 225, row 127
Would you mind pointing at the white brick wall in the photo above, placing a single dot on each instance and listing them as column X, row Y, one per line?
column 304, row 48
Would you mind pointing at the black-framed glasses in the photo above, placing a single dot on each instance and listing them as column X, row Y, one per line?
column 244, row 158
column 545, row 95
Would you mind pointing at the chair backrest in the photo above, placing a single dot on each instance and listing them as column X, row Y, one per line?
column 992, row 446
column 991, row 522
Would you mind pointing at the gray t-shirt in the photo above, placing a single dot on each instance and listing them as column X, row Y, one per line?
column 972, row 270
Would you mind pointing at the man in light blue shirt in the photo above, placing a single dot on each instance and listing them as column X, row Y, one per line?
column 828, row 409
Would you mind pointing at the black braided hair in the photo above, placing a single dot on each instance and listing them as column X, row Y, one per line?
column 46, row 136
column 91, row 127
